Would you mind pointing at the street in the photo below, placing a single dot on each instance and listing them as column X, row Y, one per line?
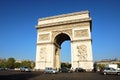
column 16, row 75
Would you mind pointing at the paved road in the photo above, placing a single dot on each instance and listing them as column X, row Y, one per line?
column 14, row 75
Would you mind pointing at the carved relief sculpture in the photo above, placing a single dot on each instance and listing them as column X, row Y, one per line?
column 81, row 33
column 82, row 52
column 43, row 37
column 42, row 53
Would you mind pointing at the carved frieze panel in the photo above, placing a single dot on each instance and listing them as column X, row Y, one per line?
column 81, row 33
column 82, row 52
column 44, row 37
column 67, row 26
column 42, row 53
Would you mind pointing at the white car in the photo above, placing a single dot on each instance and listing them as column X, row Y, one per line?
column 50, row 70
column 25, row 69
column 109, row 70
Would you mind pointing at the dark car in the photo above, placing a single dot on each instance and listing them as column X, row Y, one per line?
column 2, row 69
column 65, row 70
column 80, row 70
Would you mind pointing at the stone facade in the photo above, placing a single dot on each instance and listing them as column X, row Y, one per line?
column 52, row 31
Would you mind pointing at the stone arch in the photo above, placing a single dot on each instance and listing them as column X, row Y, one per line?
column 52, row 31
column 58, row 40
column 56, row 33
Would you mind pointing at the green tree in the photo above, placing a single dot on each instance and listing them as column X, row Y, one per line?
column 101, row 66
column 11, row 63
column 3, row 63
column 118, row 65
column 63, row 65
column 67, row 65
column 17, row 64
column 32, row 64
column 26, row 63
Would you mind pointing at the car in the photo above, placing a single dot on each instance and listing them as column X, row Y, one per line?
column 2, row 69
column 50, row 70
column 109, row 70
column 80, row 70
column 64, row 70
column 25, row 69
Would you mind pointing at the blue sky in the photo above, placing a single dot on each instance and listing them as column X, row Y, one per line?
column 18, row 19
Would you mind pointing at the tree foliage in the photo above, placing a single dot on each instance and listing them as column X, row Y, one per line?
column 67, row 65
column 118, row 65
column 101, row 66
column 17, row 64
column 30, row 64
column 3, row 63
column 12, row 63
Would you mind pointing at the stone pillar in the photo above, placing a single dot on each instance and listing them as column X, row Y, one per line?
column 82, row 55
column 45, row 56
column 57, row 58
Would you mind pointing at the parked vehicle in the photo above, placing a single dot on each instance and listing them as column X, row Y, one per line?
column 25, row 69
column 115, row 66
column 3, row 69
column 80, row 70
column 109, row 70
column 65, row 70
column 50, row 70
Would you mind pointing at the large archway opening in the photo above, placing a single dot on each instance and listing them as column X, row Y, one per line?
column 63, row 50
column 65, row 55
column 66, row 52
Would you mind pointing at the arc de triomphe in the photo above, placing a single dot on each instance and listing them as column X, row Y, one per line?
column 53, row 31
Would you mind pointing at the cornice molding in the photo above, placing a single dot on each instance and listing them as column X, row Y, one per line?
column 81, row 40
column 64, row 15
column 64, row 22
column 44, row 43
column 84, row 61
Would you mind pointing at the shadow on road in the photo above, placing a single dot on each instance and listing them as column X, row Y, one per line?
column 18, row 75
